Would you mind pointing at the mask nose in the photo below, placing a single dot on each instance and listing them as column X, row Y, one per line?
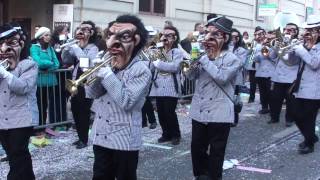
column 112, row 42
column 4, row 48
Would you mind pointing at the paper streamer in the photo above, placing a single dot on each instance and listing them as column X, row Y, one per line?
column 253, row 169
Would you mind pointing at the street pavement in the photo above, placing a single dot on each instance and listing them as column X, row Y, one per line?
column 257, row 146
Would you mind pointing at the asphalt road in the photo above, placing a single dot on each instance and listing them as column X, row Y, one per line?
column 254, row 143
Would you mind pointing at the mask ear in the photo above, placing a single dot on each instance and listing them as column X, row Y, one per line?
column 137, row 39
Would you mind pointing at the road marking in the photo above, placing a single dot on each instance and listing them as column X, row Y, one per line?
column 285, row 132
column 157, row 146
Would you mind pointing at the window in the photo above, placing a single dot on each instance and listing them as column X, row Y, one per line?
column 154, row 7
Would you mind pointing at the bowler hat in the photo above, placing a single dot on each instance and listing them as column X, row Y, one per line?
column 223, row 24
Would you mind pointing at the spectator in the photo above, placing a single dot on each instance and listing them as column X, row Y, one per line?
column 43, row 53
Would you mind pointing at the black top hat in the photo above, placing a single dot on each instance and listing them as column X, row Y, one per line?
column 258, row 28
column 223, row 24
column 7, row 31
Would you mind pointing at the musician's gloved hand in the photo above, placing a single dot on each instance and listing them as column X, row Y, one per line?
column 104, row 72
column 5, row 74
column 156, row 63
column 203, row 60
column 97, row 60
column 300, row 50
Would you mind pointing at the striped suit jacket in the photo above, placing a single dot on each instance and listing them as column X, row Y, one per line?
column 209, row 102
column 163, row 85
column 118, row 102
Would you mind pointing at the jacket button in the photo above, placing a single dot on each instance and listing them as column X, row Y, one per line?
column 97, row 134
column 99, row 117
column 208, row 111
column 108, row 102
column 201, row 111
column 4, row 91
column 6, row 119
column 4, row 105
column 107, row 120
column 201, row 98
column 210, row 98
column 105, row 137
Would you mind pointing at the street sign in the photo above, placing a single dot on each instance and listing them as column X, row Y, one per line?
column 267, row 9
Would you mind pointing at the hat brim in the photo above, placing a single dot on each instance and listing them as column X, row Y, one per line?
column 308, row 26
column 211, row 21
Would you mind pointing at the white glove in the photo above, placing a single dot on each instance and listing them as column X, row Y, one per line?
column 104, row 72
column 156, row 63
column 97, row 61
column 203, row 60
column 5, row 74
column 300, row 50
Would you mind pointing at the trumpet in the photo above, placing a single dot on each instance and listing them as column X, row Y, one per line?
column 189, row 64
column 285, row 49
column 5, row 63
column 86, row 78
column 67, row 44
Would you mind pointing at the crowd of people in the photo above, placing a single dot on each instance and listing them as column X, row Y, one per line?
column 141, row 65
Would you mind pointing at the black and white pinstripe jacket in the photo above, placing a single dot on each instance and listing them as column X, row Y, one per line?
column 118, row 100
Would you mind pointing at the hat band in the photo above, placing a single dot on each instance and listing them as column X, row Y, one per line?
column 222, row 27
column 6, row 33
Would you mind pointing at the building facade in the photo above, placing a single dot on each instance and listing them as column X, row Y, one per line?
column 183, row 13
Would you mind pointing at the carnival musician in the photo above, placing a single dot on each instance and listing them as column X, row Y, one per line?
column 282, row 79
column 119, row 93
column 212, row 111
column 307, row 98
column 265, row 65
column 147, row 109
column 236, row 46
column 81, row 56
column 19, row 111
column 166, row 86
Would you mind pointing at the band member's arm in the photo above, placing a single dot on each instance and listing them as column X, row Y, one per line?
column 221, row 74
column 26, row 82
column 312, row 59
column 172, row 67
column 126, row 94
column 43, row 64
column 95, row 90
column 70, row 54
column 243, row 56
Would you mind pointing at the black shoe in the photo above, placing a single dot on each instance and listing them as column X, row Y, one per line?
column 163, row 139
column 306, row 150
column 272, row 121
column 175, row 141
column 202, row 177
column 4, row 159
column 264, row 111
column 250, row 101
column 302, row 145
column 81, row 145
column 153, row 125
column 289, row 124
column 144, row 125
column 76, row 143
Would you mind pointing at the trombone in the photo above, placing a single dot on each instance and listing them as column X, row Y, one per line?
column 5, row 63
column 86, row 78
